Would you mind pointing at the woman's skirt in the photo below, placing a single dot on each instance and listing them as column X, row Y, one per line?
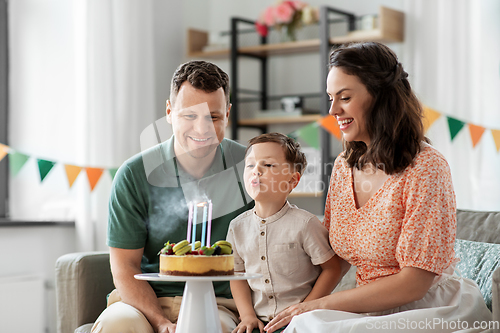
column 464, row 311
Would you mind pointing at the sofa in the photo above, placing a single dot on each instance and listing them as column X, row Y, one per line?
column 84, row 279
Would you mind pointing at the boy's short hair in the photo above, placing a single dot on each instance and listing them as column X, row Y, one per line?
column 202, row 75
column 291, row 148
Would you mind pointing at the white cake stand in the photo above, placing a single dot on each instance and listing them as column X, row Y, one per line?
column 198, row 311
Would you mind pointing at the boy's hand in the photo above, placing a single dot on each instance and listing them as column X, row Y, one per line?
column 247, row 325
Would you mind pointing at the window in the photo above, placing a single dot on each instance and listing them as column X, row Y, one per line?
column 4, row 180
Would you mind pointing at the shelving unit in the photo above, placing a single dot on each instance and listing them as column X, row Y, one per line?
column 308, row 118
column 390, row 29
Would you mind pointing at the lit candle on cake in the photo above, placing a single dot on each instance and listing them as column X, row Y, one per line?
column 209, row 222
column 190, row 221
column 204, row 224
column 193, row 240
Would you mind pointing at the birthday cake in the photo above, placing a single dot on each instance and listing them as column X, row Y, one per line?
column 185, row 259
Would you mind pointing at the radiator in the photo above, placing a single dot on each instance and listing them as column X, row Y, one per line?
column 22, row 304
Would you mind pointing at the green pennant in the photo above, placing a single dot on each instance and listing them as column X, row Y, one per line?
column 455, row 126
column 44, row 167
column 310, row 134
column 112, row 172
column 16, row 162
column 294, row 135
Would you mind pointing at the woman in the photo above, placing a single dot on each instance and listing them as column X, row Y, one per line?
column 390, row 211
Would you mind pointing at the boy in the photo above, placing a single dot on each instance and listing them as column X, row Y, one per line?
column 285, row 244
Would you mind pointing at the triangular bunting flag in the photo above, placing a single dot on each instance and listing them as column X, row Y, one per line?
column 496, row 138
column 93, row 174
column 72, row 171
column 16, row 162
column 455, row 126
column 310, row 134
column 3, row 151
column 294, row 135
column 112, row 172
column 44, row 167
column 476, row 132
column 331, row 125
column 430, row 116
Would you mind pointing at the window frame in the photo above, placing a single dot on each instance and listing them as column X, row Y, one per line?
column 4, row 107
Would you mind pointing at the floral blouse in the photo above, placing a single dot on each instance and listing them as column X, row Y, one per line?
column 409, row 221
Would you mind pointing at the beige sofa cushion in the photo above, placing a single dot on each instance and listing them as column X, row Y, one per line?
column 82, row 282
column 478, row 226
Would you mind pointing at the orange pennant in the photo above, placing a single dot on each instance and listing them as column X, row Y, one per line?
column 72, row 171
column 430, row 116
column 330, row 124
column 93, row 174
column 3, row 151
column 476, row 132
column 496, row 138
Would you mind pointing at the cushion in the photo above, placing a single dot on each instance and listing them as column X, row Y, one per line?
column 82, row 282
column 496, row 296
column 84, row 328
column 478, row 261
column 478, row 226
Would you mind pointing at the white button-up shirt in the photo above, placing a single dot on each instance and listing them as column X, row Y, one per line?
column 286, row 248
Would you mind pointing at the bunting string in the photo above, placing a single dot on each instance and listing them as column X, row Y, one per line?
column 308, row 133
column 17, row 160
column 455, row 125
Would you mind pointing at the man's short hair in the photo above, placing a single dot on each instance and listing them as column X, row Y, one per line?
column 291, row 148
column 201, row 75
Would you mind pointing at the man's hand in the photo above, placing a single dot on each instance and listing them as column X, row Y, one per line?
column 247, row 325
column 139, row 294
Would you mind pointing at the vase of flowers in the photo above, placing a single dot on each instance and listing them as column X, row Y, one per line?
column 286, row 17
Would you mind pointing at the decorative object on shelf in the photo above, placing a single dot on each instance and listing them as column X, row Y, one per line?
column 287, row 17
column 368, row 22
column 216, row 42
column 290, row 104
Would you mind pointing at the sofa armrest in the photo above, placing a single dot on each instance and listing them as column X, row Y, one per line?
column 82, row 282
column 495, row 290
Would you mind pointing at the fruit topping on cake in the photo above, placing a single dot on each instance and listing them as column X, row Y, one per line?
column 184, row 248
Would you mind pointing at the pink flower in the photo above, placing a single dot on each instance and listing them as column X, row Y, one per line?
column 261, row 29
column 269, row 18
column 284, row 12
column 298, row 5
column 290, row 13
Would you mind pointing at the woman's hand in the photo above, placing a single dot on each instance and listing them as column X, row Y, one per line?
column 166, row 328
column 285, row 317
column 247, row 325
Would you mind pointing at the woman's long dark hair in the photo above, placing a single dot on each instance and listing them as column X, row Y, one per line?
column 394, row 124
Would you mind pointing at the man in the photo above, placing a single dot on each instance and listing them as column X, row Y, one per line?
column 148, row 202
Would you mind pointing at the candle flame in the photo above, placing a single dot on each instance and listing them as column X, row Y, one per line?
column 201, row 204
